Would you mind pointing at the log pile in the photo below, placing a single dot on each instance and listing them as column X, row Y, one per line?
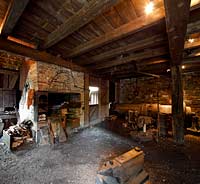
column 16, row 135
column 124, row 169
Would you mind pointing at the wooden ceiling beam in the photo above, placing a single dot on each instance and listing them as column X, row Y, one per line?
column 138, row 45
column 132, row 27
column 193, row 27
column 86, row 14
column 189, row 45
column 154, row 64
column 177, row 16
column 138, row 56
column 192, row 60
column 121, row 32
column 18, row 49
column 15, row 10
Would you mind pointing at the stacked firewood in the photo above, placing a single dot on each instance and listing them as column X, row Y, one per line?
column 15, row 135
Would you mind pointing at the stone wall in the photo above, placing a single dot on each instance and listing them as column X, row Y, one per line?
column 191, row 83
column 39, row 76
column 59, row 79
column 145, row 91
column 54, row 78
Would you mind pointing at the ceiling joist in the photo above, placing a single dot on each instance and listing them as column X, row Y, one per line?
column 78, row 20
column 118, row 33
column 138, row 45
column 137, row 56
column 15, row 10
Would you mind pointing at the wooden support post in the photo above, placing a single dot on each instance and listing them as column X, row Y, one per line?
column 177, row 16
column 177, row 104
column 117, row 91
column 86, row 99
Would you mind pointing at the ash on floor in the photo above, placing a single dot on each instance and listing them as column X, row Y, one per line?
column 77, row 161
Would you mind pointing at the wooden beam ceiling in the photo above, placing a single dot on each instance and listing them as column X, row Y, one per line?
column 138, row 45
column 190, row 45
column 192, row 60
column 78, row 20
column 193, row 27
column 134, row 57
column 121, row 32
column 177, row 16
column 194, row 22
column 13, row 47
column 13, row 14
column 152, row 65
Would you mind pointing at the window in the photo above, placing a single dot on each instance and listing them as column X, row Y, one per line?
column 94, row 94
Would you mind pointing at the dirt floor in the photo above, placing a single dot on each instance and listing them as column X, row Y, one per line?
column 77, row 161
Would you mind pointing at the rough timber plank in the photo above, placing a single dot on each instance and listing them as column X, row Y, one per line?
column 78, row 20
column 133, row 26
column 134, row 57
column 13, row 14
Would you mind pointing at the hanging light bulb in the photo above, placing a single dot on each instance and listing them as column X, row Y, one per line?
column 149, row 8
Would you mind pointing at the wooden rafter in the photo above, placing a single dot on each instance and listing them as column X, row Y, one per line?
column 138, row 45
column 132, row 27
column 123, row 60
column 194, row 44
column 78, row 20
column 121, row 32
column 15, row 10
column 13, row 47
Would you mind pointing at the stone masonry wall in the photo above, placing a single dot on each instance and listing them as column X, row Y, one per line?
column 145, row 91
column 48, row 77
column 59, row 79
column 191, row 85
column 54, row 78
